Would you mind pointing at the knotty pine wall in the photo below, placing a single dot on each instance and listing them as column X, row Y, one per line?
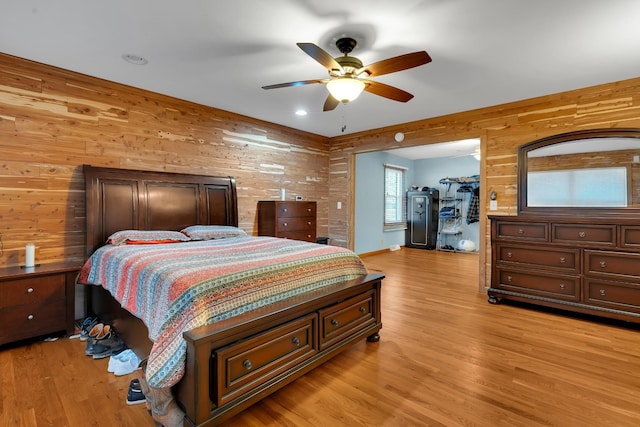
column 501, row 129
column 53, row 121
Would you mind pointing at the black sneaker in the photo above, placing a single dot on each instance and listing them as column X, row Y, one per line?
column 107, row 345
column 87, row 325
column 134, row 394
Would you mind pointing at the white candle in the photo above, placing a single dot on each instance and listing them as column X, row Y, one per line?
column 282, row 194
column 30, row 255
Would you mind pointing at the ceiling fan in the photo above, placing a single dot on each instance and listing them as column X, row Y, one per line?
column 348, row 77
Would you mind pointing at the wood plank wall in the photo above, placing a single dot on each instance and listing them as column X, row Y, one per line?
column 501, row 129
column 53, row 121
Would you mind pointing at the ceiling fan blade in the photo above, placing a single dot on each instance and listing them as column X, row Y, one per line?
column 387, row 91
column 330, row 104
column 397, row 63
column 321, row 56
column 298, row 83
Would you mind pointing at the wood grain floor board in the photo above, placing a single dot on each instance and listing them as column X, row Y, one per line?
column 446, row 358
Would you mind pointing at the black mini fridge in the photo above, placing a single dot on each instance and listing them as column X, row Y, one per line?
column 422, row 218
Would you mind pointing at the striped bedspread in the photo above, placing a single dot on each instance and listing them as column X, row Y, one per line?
column 176, row 287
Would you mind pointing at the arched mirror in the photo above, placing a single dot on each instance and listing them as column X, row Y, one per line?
column 594, row 172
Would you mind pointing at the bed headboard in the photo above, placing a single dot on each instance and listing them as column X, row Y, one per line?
column 123, row 199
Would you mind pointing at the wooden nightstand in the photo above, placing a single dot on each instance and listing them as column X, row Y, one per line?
column 287, row 219
column 37, row 301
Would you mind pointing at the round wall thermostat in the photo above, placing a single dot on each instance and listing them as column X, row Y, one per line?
column 399, row 137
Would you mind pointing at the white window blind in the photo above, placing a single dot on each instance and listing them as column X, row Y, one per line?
column 395, row 209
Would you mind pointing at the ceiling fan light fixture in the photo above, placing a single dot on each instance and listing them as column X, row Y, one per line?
column 345, row 89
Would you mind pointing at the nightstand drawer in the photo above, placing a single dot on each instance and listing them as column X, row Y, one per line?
column 296, row 209
column 32, row 289
column 294, row 224
column 30, row 320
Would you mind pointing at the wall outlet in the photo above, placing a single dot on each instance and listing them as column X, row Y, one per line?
column 339, row 205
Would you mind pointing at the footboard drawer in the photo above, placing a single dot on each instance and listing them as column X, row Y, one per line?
column 345, row 318
column 249, row 363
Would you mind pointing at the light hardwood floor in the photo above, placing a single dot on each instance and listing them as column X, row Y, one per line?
column 446, row 358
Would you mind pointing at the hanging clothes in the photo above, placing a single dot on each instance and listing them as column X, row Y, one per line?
column 473, row 214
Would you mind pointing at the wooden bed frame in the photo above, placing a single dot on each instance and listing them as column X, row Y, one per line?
column 238, row 361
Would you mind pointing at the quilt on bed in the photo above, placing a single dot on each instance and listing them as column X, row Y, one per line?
column 177, row 287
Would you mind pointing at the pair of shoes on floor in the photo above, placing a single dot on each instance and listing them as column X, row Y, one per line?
column 123, row 363
column 86, row 327
column 103, row 342
column 134, row 394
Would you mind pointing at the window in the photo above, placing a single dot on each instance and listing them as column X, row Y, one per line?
column 395, row 207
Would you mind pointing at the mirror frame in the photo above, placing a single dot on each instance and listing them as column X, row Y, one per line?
column 523, row 150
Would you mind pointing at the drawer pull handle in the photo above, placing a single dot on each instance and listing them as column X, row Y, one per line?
column 363, row 310
column 284, row 210
column 308, row 222
column 509, row 254
column 309, row 235
column 582, row 234
column 30, row 290
column 563, row 260
column 308, row 209
column 602, row 292
column 521, row 231
column 247, row 364
column 509, row 278
column 334, row 322
column 295, row 341
column 603, row 264
column 562, row 286
column 285, row 224
column 30, row 317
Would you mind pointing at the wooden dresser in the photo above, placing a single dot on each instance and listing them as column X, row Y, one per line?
column 582, row 265
column 36, row 301
column 289, row 220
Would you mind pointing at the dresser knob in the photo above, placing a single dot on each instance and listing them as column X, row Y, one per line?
column 603, row 264
column 295, row 341
column 363, row 310
column 284, row 210
column 30, row 290
column 247, row 364
column 509, row 254
column 509, row 278
column 563, row 260
column 602, row 292
column 285, row 224
column 562, row 286
column 521, row 231
column 582, row 234
column 308, row 209
column 308, row 222
column 334, row 322
column 30, row 317
column 309, row 236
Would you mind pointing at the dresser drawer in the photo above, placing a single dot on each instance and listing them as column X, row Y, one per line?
column 543, row 284
column 584, row 234
column 252, row 362
column 612, row 264
column 548, row 257
column 529, row 231
column 32, row 289
column 296, row 209
column 30, row 320
column 295, row 224
column 343, row 319
column 616, row 295
column 630, row 236
column 305, row 236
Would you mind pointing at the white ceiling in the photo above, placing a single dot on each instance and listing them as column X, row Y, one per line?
column 221, row 52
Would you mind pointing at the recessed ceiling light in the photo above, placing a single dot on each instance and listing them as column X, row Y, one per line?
column 134, row 59
column 301, row 113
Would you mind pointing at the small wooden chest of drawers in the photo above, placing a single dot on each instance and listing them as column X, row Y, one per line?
column 36, row 301
column 289, row 220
